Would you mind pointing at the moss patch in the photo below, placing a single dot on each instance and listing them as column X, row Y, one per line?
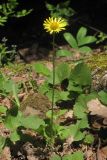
column 98, row 61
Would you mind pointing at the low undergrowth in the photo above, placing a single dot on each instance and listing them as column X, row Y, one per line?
column 69, row 121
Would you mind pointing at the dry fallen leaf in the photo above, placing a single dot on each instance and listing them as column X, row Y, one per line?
column 69, row 140
column 102, row 153
column 69, row 114
column 96, row 108
column 6, row 155
column 6, row 102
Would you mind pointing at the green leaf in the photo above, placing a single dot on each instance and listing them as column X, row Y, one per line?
column 7, row 86
column 63, row 95
column 14, row 88
column 83, row 123
column 58, row 95
column 50, row 78
column 41, row 68
column 3, row 19
column 56, row 157
column 64, row 132
column 3, row 109
column 85, row 49
column 72, row 87
column 63, row 53
column 74, row 130
column 83, row 99
column 2, row 142
column 32, row 122
column 14, row 136
column 79, row 136
column 86, row 40
column 76, row 133
column 13, row 122
column 92, row 95
column 57, row 114
column 44, row 88
column 103, row 97
column 81, row 33
column 79, row 110
column 71, row 40
column 67, row 157
column 81, row 75
column 78, row 155
column 75, row 156
column 80, row 107
column 22, row 13
column 62, row 72
column 89, row 139
column 50, row 7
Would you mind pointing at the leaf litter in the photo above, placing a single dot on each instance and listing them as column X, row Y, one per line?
column 36, row 152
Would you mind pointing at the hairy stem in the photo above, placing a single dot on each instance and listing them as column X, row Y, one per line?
column 53, row 89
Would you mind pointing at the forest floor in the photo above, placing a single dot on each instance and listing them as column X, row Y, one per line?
column 33, row 146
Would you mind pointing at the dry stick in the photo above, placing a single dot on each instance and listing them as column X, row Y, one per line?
column 98, row 154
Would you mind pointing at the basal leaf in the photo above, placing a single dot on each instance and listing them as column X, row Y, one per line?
column 41, row 68
column 14, row 89
column 63, row 53
column 103, row 97
column 13, row 122
column 79, row 110
column 71, row 40
column 3, row 109
column 75, row 156
column 78, row 155
column 64, row 132
column 7, row 86
column 83, row 123
column 62, row 72
column 85, row 49
column 79, row 136
column 89, row 139
column 63, row 95
column 57, row 114
column 72, row 87
column 86, row 40
column 14, row 136
column 76, row 133
column 67, row 157
column 55, row 157
column 2, row 142
column 32, row 122
column 44, row 88
column 83, row 99
column 80, row 107
column 81, row 33
column 81, row 75
column 58, row 95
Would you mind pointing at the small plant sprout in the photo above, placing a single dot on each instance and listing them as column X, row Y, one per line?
column 53, row 26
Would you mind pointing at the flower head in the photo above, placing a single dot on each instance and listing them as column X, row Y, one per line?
column 54, row 25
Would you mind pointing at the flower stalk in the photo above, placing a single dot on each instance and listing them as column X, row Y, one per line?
column 53, row 26
column 53, row 88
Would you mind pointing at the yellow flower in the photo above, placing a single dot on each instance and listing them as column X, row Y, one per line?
column 54, row 25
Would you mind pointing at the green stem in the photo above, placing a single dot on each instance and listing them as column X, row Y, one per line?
column 53, row 89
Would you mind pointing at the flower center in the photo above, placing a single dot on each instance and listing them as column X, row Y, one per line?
column 54, row 26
